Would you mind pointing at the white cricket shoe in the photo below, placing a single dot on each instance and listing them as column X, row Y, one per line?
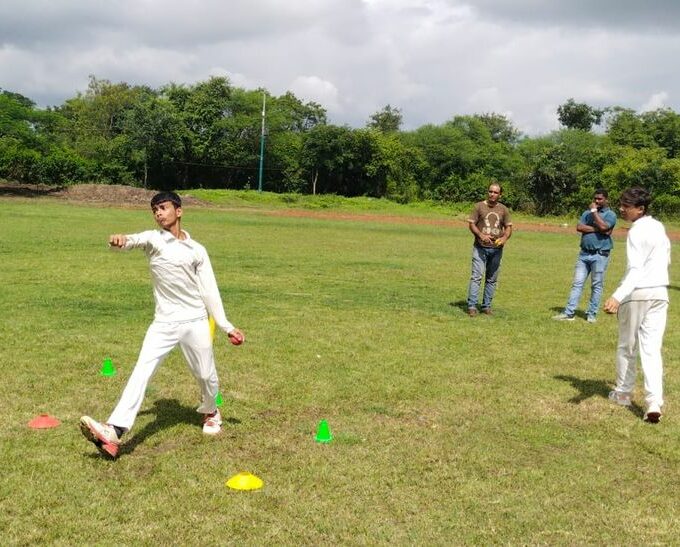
column 103, row 436
column 620, row 398
column 212, row 423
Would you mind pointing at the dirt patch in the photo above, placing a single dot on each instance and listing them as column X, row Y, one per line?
column 454, row 223
column 118, row 195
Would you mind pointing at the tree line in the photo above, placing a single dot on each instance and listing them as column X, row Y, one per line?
column 209, row 134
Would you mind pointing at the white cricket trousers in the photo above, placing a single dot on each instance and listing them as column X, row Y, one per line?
column 641, row 327
column 194, row 339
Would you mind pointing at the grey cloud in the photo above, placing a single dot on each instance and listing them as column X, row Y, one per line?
column 663, row 15
column 169, row 23
column 432, row 58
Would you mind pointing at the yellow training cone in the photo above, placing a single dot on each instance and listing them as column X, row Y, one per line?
column 245, row 481
column 211, row 322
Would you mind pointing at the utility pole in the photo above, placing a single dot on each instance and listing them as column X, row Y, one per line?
column 264, row 104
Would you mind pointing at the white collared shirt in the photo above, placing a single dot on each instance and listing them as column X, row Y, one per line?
column 648, row 254
column 184, row 285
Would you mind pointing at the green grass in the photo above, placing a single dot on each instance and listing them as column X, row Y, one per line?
column 447, row 430
column 261, row 200
column 251, row 199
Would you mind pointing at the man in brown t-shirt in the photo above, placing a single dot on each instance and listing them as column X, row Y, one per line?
column 491, row 225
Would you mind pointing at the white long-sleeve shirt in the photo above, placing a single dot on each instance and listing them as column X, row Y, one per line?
column 184, row 285
column 648, row 254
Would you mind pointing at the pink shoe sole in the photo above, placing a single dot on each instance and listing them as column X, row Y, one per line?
column 105, row 447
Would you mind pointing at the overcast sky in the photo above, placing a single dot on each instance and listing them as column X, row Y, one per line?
column 433, row 59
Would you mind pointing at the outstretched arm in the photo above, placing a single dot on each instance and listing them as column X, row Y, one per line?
column 117, row 240
column 131, row 241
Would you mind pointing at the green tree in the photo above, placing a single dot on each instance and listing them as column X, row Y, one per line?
column 446, row 149
column 154, row 135
column 551, row 180
column 396, row 168
column 288, row 119
column 341, row 160
column 561, row 170
column 663, row 125
column 647, row 167
column 500, row 128
column 573, row 115
column 95, row 127
column 21, row 120
column 221, row 132
column 625, row 128
column 29, row 149
column 387, row 120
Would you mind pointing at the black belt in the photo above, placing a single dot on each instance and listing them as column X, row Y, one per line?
column 602, row 253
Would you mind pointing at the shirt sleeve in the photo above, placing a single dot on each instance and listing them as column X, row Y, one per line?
column 610, row 219
column 140, row 240
column 474, row 215
column 635, row 251
column 207, row 285
column 508, row 218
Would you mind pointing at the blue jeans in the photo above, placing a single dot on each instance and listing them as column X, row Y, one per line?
column 596, row 266
column 486, row 262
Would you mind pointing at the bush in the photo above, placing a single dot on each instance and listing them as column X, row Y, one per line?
column 17, row 162
column 666, row 206
column 63, row 166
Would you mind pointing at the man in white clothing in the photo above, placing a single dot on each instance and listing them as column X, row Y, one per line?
column 641, row 302
column 185, row 293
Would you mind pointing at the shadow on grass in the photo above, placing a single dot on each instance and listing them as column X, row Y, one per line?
column 460, row 304
column 560, row 309
column 586, row 388
column 28, row 190
column 593, row 388
column 169, row 412
column 463, row 306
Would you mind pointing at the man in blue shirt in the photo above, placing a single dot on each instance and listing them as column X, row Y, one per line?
column 595, row 227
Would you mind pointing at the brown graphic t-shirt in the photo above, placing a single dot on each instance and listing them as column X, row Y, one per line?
column 490, row 220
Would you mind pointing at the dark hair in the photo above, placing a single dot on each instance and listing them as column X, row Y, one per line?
column 637, row 197
column 166, row 196
column 601, row 192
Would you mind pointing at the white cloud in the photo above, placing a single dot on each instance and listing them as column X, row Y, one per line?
column 655, row 102
column 313, row 88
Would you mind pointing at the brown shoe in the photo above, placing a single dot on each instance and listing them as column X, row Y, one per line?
column 487, row 311
column 653, row 414
column 472, row 312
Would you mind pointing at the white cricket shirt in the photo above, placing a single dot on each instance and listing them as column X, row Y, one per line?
column 184, row 285
column 648, row 254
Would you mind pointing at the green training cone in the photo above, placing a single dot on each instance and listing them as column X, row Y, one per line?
column 218, row 399
column 107, row 368
column 323, row 433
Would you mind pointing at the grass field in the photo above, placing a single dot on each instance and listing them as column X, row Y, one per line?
column 448, row 430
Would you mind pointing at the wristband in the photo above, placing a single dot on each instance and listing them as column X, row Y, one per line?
column 593, row 210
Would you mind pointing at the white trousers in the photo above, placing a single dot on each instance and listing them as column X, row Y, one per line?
column 194, row 339
column 641, row 327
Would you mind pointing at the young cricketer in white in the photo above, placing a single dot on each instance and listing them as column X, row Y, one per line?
column 185, row 293
column 641, row 301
